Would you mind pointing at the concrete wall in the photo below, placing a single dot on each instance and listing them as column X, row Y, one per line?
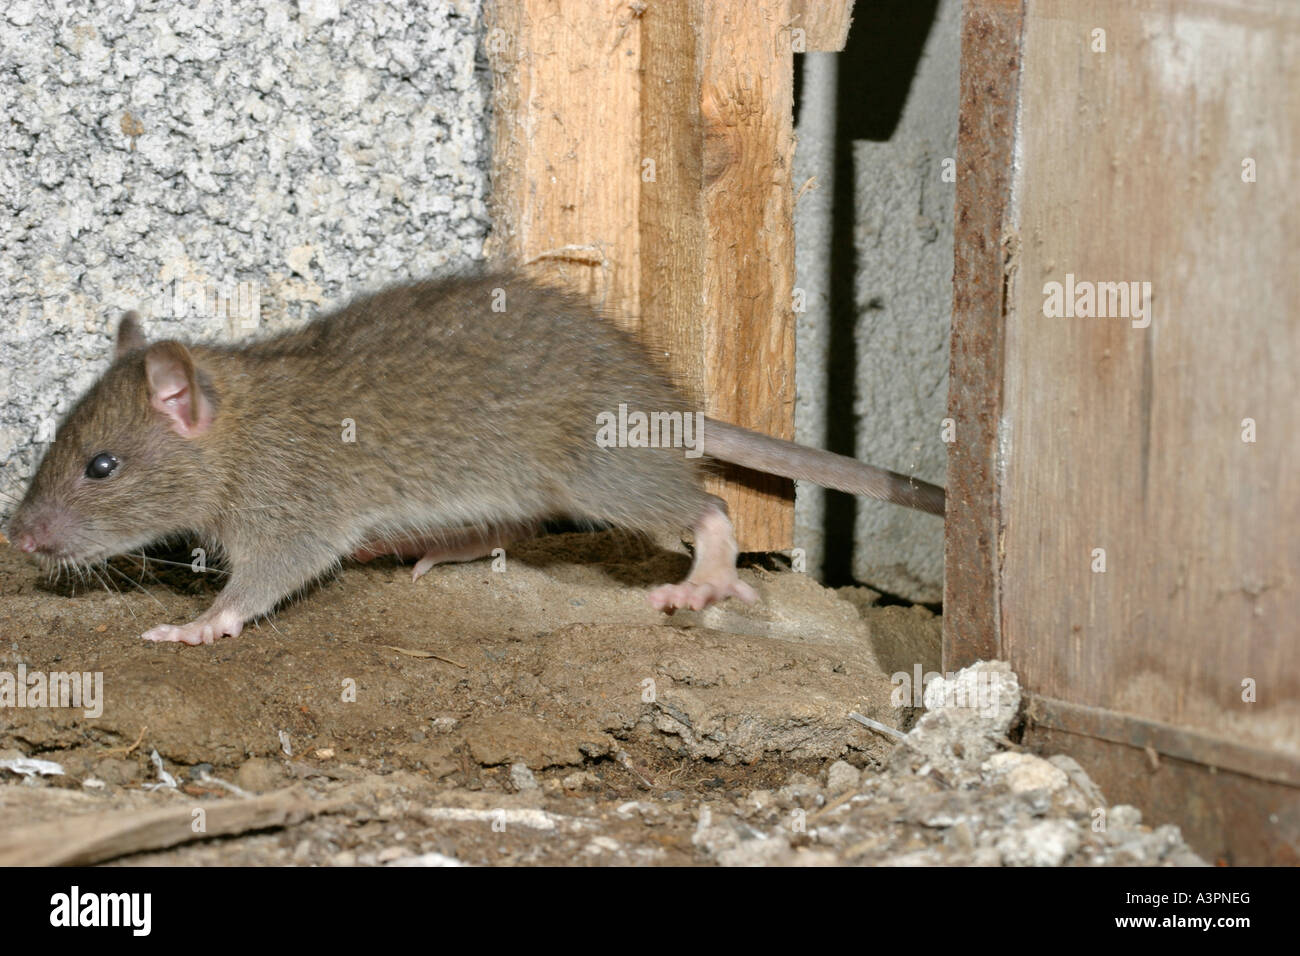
column 874, row 257
column 293, row 153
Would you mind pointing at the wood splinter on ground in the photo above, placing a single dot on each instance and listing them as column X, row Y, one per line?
column 96, row 837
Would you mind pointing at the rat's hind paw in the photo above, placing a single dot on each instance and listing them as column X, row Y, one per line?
column 205, row 630
column 697, row 595
column 713, row 575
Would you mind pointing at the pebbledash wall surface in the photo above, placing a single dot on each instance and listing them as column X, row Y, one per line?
column 183, row 157
column 231, row 169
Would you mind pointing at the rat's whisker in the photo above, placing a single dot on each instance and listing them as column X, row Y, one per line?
column 115, row 592
column 145, row 559
column 137, row 585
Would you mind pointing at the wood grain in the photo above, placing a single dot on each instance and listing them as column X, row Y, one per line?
column 983, row 234
column 1130, row 439
column 643, row 157
column 717, row 228
column 566, row 154
column 825, row 23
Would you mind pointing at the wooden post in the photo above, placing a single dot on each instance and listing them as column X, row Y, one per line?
column 566, row 155
column 825, row 23
column 643, row 156
column 717, row 236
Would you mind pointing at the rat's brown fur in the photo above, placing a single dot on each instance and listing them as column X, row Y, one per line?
column 419, row 420
column 463, row 417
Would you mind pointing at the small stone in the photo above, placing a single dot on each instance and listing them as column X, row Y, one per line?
column 430, row 859
column 1048, row 843
column 602, row 844
column 389, row 854
column 259, row 775
column 1124, row 815
column 521, row 778
column 1079, row 777
column 344, row 858
column 842, row 777
column 579, row 779
column 961, row 837
column 1023, row 773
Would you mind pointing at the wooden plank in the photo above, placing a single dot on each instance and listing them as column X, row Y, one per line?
column 673, row 231
column 825, row 23
column 1129, row 438
column 1172, row 675
column 990, row 80
column 718, row 232
column 566, row 153
column 1166, row 740
column 86, row 838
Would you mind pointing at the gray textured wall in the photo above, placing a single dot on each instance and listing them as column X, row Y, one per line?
column 306, row 150
column 874, row 255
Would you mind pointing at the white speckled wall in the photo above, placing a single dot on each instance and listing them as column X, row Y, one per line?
column 173, row 157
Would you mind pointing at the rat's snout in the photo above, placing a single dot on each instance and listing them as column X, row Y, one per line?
column 35, row 533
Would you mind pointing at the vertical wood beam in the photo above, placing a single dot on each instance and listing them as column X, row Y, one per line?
column 717, row 228
column 566, row 123
column 825, row 23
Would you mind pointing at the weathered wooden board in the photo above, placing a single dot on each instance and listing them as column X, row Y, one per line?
column 1129, row 439
column 733, row 260
column 990, row 90
column 566, row 150
column 1108, row 438
column 825, row 23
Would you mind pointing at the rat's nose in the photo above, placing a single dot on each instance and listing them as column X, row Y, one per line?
column 28, row 533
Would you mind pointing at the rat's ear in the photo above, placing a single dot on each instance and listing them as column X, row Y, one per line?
column 129, row 335
column 174, row 388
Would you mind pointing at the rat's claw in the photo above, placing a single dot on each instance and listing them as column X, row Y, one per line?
column 205, row 630
column 423, row 566
column 713, row 575
column 697, row 595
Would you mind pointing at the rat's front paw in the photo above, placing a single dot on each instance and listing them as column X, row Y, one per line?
column 205, row 630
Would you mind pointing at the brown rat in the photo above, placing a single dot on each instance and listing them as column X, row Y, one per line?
column 420, row 420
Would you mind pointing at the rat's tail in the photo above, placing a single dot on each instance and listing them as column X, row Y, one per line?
column 775, row 456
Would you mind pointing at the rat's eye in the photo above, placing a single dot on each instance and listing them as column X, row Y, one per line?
column 102, row 465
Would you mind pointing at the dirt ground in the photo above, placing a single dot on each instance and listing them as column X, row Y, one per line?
column 534, row 711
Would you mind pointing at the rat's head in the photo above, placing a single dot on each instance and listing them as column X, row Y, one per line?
column 126, row 465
